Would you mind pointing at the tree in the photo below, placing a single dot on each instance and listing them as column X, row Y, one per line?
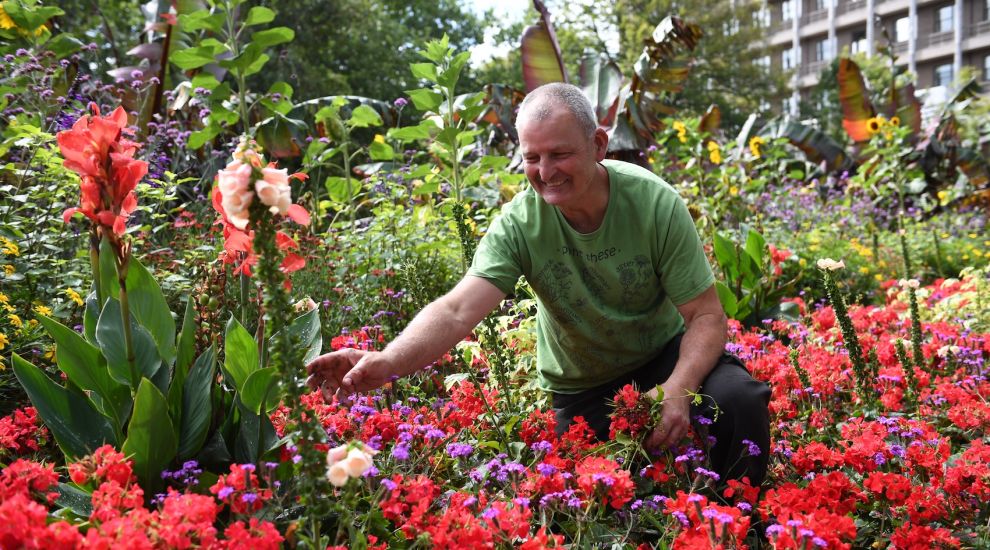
column 725, row 71
column 363, row 47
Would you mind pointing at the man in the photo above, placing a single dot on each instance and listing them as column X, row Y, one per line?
column 624, row 292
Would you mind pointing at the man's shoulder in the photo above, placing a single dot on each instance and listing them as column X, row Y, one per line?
column 638, row 180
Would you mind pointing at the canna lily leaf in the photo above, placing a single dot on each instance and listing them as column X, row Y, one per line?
column 817, row 145
column 856, row 107
column 907, row 108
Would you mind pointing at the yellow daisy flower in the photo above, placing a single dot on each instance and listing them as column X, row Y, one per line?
column 895, row 120
column 8, row 269
column 15, row 320
column 5, row 21
column 74, row 296
column 3, row 340
column 43, row 310
column 9, row 247
column 681, row 131
column 714, row 153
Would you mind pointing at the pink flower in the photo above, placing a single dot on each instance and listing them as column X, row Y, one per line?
column 273, row 189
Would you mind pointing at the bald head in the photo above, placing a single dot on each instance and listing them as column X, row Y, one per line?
column 540, row 104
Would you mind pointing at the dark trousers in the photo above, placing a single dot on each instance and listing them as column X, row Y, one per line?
column 742, row 402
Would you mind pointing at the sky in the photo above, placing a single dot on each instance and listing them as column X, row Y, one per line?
column 506, row 10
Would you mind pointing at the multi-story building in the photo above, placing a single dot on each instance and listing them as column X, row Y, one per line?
column 933, row 38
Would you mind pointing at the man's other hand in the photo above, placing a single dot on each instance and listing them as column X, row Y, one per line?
column 675, row 422
column 349, row 371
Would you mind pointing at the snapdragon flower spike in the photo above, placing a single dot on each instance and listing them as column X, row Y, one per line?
column 96, row 149
column 245, row 178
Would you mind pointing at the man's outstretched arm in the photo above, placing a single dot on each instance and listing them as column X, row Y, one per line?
column 433, row 332
column 701, row 346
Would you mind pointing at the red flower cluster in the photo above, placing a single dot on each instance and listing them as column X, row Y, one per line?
column 633, row 413
column 20, row 432
column 96, row 149
column 241, row 490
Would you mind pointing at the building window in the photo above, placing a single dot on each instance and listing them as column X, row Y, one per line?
column 821, row 50
column 902, row 29
column 821, row 5
column 787, row 10
column 762, row 61
column 858, row 44
column 986, row 10
column 761, row 17
column 789, row 59
column 943, row 75
column 943, row 19
column 986, row 67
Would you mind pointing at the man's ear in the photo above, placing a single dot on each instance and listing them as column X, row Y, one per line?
column 601, row 144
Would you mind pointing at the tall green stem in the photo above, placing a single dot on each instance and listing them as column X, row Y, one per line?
column 125, row 318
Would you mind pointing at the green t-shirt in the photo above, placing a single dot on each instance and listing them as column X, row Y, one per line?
column 606, row 300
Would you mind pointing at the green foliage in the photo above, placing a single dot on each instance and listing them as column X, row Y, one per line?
column 753, row 287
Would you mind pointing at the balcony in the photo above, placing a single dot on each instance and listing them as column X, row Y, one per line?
column 983, row 27
column 935, row 39
column 814, row 16
column 853, row 5
column 814, row 67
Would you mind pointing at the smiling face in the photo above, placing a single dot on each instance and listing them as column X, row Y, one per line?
column 561, row 161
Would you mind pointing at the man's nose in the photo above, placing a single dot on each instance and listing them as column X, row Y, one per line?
column 547, row 170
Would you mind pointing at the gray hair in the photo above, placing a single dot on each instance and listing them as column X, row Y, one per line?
column 538, row 105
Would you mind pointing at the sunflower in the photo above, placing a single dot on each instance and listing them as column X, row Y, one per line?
column 755, row 143
column 895, row 121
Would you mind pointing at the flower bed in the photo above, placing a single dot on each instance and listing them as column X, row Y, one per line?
column 905, row 467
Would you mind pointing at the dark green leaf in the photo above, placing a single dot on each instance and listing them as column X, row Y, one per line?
column 149, row 308
column 728, row 299
column 197, row 410
column 78, row 428
column 306, row 332
column 110, row 338
column 151, row 441
column 85, row 367
column 75, row 499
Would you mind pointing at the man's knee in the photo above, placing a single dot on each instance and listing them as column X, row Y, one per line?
column 735, row 392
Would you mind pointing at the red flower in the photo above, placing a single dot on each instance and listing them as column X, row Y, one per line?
column 256, row 534
column 598, row 475
column 95, row 149
column 20, row 432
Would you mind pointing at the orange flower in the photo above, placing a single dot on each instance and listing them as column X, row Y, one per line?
column 96, row 149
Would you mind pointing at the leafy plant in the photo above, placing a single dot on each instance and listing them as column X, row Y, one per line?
column 753, row 289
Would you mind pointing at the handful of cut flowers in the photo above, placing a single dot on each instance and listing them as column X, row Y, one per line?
column 636, row 414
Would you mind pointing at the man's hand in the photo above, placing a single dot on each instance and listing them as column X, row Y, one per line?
column 676, row 419
column 349, row 371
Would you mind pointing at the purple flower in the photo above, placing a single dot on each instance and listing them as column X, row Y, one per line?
column 400, row 452
column 456, row 450
column 752, row 448
column 225, row 492
column 400, row 102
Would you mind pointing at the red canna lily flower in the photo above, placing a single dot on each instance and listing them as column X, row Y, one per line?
column 96, row 149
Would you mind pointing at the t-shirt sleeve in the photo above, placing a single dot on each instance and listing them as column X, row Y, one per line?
column 497, row 258
column 683, row 267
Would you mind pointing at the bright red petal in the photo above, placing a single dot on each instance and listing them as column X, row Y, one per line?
column 284, row 241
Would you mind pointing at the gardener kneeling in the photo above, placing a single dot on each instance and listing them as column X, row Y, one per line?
column 624, row 294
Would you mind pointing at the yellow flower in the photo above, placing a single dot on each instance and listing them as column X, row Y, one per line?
column 864, row 270
column 895, row 121
column 15, row 320
column 4, row 300
column 74, row 296
column 3, row 340
column 49, row 353
column 874, row 124
column 878, row 277
column 43, row 310
column 379, row 138
column 5, row 22
column 681, row 131
column 8, row 269
column 714, row 153
column 734, row 191
column 755, row 143
column 8, row 247
column 942, row 195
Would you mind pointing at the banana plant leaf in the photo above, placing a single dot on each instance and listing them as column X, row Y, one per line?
column 853, row 95
column 541, row 63
column 282, row 136
column 601, row 81
column 908, row 109
column 500, row 108
column 816, row 145
column 711, row 120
